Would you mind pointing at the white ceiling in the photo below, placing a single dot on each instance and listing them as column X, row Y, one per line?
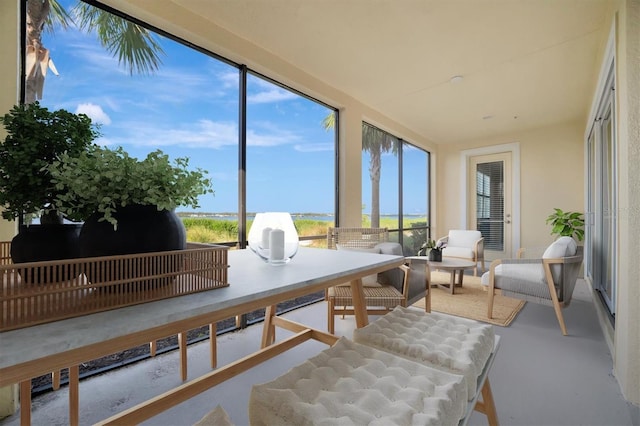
column 525, row 63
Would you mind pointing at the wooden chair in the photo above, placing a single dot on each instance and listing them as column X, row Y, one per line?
column 380, row 297
column 465, row 244
column 549, row 280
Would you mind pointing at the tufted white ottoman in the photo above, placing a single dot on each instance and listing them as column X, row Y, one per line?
column 453, row 344
column 353, row 384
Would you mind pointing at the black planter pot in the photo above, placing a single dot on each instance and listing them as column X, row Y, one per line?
column 37, row 243
column 141, row 229
column 435, row 255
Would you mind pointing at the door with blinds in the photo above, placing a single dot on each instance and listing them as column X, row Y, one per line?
column 490, row 202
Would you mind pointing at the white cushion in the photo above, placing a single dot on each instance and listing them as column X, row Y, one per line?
column 369, row 280
column 530, row 272
column 353, row 384
column 215, row 417
column 463, row 238
column 455, row 345
column 562, row 247
column 463, row 252
column 361, row 249
column 390, row 248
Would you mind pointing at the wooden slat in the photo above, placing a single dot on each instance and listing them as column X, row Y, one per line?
column 188, row 390
column 39, row 292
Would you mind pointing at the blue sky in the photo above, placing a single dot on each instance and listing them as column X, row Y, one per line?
column 189, row 107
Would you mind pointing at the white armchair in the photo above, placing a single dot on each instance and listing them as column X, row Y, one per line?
column 465, row 244
column 549, row 280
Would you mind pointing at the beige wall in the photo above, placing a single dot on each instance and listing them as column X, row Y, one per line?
column 626, row 342
column 9, row 17
column 551, row 175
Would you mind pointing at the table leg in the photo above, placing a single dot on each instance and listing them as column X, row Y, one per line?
column 427, row 295
column 213, row 344
column 489, row 404
column 269, row 329
column 452, row 281
column 74, row 395
column 55, row 379
column 182, row 347
column 25, row 402
column 359, row 303
column 460, row 275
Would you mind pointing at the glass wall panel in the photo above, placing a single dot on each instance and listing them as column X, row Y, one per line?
column 290, row 157
column 379, row 178
column 186, row 103
column 385, row 160
column 415, row 197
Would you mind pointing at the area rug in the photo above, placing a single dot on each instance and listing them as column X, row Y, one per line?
column 470, row 301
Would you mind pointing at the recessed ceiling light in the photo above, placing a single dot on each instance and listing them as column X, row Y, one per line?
column 456, row 79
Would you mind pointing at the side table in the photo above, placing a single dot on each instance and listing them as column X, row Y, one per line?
column 449, row 264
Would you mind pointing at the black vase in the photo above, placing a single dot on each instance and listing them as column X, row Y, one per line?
column 141, row 229
column 435, row 255
column 38, row 243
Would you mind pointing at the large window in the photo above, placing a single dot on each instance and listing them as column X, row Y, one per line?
column 190, row 104
column 395, row 187
column 264, row 145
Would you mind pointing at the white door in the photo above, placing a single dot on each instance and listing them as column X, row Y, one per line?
column 489, row 208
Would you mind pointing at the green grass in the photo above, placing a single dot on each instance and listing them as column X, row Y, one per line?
column 207, row 230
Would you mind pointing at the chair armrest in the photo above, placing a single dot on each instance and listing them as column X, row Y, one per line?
column 478, row 247
column 405, row 281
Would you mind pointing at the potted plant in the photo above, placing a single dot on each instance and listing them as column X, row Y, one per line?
column 35, row 137
column 128, row 205
column 570, row 224
column 433, row 249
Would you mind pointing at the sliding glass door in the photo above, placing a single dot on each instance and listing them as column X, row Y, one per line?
column 602, row 203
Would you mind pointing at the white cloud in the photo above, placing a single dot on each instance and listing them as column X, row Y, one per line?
column 200, row 134
column 274, row 94
column 229, row 79
column 203, row 134
column 95, row 113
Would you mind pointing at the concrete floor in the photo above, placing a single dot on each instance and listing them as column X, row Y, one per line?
column 539, row 377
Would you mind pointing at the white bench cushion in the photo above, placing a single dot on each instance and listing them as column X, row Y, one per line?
column 456, row 345
column 216, row 417
column 353, row 384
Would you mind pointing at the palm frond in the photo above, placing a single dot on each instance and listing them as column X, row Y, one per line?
column 135, row 47
column 57, row 16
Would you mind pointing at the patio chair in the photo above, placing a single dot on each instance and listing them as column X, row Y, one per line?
column 384, row 291
column 465, row 244
column 549, row 280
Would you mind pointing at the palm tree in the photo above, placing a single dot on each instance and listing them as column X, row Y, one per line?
column 134, row 45
column 375, row 142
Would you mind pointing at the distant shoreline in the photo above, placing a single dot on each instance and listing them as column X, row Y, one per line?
column 309, row 215
column 229, row 214
column 321, row 217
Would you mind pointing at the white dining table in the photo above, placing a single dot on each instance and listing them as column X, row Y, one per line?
column 33, row 351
